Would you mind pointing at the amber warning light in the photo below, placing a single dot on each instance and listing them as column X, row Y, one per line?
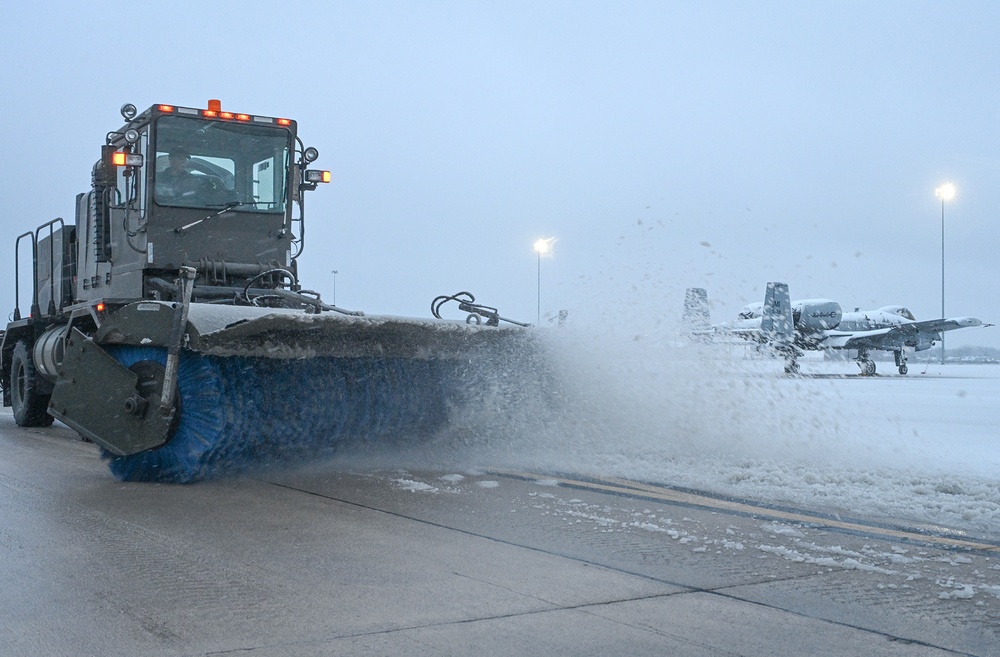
column 123, row 159
column 317, row 176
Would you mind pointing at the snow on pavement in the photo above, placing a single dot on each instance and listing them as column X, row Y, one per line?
column 933, row 573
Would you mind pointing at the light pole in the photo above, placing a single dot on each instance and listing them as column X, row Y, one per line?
column 542, row 247
column 335, row 272
column 946, row 192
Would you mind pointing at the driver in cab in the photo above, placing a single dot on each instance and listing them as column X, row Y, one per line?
column 177, row 180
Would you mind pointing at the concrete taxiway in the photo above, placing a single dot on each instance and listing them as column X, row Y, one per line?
column 325, row 560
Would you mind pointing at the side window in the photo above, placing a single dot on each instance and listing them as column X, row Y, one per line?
column 263, row 182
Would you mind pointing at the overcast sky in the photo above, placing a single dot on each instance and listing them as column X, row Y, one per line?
column 664, row 144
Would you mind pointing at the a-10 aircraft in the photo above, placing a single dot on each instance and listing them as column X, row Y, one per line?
column 791, row 328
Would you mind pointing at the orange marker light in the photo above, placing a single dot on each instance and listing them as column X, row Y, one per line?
column 165, row 108
column 100, row 307
column 126, row 159
column 284, row 122
column 210, row 113
column 227, row 115
column 242, row 117
column 318, row 176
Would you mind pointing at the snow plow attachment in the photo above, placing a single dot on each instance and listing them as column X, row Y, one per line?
column 257, row 386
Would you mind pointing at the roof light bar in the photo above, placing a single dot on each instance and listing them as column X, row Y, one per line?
column 214, row 111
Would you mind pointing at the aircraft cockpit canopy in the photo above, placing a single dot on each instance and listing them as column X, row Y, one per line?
column 752, row 311
column 901, row 311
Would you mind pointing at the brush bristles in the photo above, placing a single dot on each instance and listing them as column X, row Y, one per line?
column 241, row 413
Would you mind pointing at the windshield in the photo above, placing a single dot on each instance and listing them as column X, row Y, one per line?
column 212, row 164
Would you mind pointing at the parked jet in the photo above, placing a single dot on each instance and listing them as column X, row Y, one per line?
column 819, row 324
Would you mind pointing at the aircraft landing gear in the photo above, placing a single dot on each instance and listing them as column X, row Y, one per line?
column 866, row 364
column 900, row 361
column 791, row 355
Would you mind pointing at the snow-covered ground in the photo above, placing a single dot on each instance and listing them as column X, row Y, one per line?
column 922, row 449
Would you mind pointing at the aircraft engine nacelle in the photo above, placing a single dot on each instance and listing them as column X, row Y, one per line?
column 923, row 345
column 815, row 315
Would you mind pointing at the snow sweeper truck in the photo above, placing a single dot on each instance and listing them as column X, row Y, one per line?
column 168, row 324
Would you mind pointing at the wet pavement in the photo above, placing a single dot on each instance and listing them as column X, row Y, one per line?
column 329, row 560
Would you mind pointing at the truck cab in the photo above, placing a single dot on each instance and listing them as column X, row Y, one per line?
column 178, row 186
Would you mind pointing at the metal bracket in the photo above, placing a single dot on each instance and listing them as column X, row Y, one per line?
column 94, row 395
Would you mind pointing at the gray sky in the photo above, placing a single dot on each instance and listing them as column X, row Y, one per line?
column 664, row 144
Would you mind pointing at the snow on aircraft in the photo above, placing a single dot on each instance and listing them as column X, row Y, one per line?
column 791, row 328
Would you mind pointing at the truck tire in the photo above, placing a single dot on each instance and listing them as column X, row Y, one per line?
column 29, row 404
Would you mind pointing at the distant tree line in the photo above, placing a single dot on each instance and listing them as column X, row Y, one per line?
column 968, row 354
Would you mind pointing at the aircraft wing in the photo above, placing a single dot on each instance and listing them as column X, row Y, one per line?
column 896, row 337
column 731, row 330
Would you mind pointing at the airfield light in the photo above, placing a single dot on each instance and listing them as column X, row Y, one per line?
column 543, row 246
column 945, row 192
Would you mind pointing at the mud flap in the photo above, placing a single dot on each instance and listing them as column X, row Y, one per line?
column 97, row 396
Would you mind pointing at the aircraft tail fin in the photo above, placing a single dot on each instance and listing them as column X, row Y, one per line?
column 696, row 312
column 777, row 323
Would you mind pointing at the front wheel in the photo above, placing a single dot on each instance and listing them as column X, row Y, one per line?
column 28, row 400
